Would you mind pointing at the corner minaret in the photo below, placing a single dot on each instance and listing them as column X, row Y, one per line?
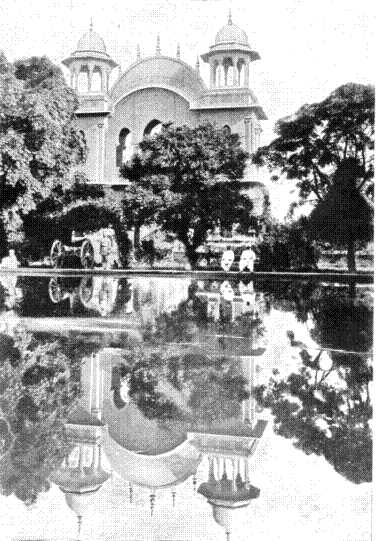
column 230, row 57
column 90, row 65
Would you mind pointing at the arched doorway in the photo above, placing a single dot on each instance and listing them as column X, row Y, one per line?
column 153, row 128
column 124, row 150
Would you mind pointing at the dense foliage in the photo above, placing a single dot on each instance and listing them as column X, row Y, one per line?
column 39, row 144
column 39, row 386
column 327, row 411
column 82, row 215
column 328, row 148
column 187, row 180
column 344, row 218
column 288, row 246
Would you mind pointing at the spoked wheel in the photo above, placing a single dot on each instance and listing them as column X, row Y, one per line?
column 86, row 289
column 55, row 290
column 57, row 253
column 87, row 255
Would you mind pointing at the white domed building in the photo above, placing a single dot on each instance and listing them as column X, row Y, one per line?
column 158, row 89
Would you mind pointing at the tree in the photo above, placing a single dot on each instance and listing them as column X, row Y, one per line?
column 39, row 144
column 344, row 217
column 329, row 418
column 316, row 145
column 39, row 387
column 187, row 180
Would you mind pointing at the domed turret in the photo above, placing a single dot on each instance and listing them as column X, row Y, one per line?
column 229, row 57
column 90, row 65
column 228, row 494
column 231, row 34
column 91, row 41
column 82, row 475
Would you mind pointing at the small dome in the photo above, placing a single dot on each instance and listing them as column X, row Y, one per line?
column 231, row 33
column 91, row 41
column 79, row 503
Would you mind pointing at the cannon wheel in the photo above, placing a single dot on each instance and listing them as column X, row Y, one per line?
column 87, row 254
column 86, row 289
column 55, row 290
column 56, row 253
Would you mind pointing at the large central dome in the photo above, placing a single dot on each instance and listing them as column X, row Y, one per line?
column 91, row 41
column 230, row 33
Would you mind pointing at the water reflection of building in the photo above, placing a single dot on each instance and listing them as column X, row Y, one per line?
column 155, row 296
column 240, row 299
column 228, row 493
column 227, row 448
column 82, row 474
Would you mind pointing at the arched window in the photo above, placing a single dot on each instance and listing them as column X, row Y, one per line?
column 218, row 75
column 124, row 150
column 226, row 129
column 228, row 72
column 241, row 73
column 83, row 80
column 96, row 80
column 153, row 128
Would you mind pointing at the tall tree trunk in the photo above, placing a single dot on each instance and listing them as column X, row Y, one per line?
column 191, row 254
column 351, row 256
column 136, row 237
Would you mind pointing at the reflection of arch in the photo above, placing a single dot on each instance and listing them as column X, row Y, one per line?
column 96, row 81
column 83, row 80
column 119, row 396
column 153, row 128
column 124, row 150
column 153, row 471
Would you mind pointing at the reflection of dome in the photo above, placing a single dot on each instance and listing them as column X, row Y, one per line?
column 79, row 503
column 227, row 516
column 153, row 471
column 91, row 41
column 231, row 33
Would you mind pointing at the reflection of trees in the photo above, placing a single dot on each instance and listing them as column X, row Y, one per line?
column 325, row 412
column 39, row 386
column 211, row 389
column 328, row 412
column 191, row 322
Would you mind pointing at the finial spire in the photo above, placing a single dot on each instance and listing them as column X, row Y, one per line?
column 173, row 498
column 197, row 64
column 138, row 51
column 178, row 53
column 229, row 16
column 131, row 492
column 79, row 523
column 152, row 502
column 91, row 25
column 228, row 536
column 158, row 50
column 194, row 482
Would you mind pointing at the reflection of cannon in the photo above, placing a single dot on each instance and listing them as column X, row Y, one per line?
column 98, row 293
column 94, row 248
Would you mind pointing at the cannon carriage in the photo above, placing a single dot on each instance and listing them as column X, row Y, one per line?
column 98, row 248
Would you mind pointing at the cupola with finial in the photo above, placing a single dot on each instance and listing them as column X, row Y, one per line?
column 230, row 57
column 90, row 65
column 228, row 492
column 82, row 474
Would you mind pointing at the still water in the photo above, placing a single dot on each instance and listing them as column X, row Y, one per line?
column 183, row 409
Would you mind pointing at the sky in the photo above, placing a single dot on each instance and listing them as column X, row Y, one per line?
column 308, row 48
